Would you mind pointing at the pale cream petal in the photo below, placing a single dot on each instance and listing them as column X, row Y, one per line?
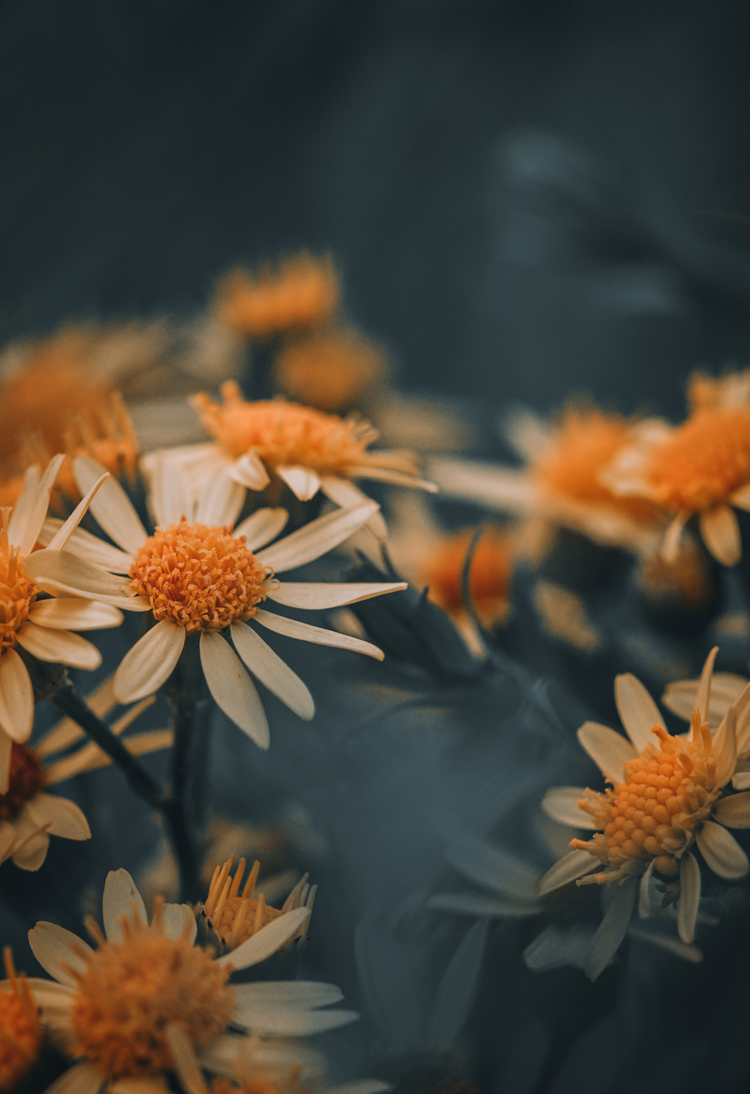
column 111, row 506
column 250, row 471
column 612, row 929
column 561, row 803
column 58, row 647
column 609, row 750
column 7, row 840
column 395, row 478
column 121, row 898
column 680, row 696
column 295, row 1023
column 26, row 523
column 734, row 811
column 703, row 698
column 645, row 895
column 65, row 531
column 24, row 505
column 721, row 851
column 690, row 894
column 59, row 816
column 172, row 496
column 64, row 573
column 742, row 707
column 263, row 526
column 302, row 481
column 146, row 666
column 179, row 920
column 348, row 495
column 78, row 1079
column 721, row 534
column 319, row 595
column 221, row 501
column 725, row 748
column 55, row 949
column 16, row 697
column 670, row 547
column 232, row 688
column 569, row 868
column 185, row 1062
column 272, row 671
column 307, row 633
column 741, row 780
column 493, row 485
column 31, row 846
column 74, row 613
column 267, row 940
column 89, row 548
column 6, row 747
column 638, row 711
column 741, row 498
column 316, row 538
column 299, row 994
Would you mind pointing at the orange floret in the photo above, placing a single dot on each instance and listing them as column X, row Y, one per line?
column 704, row 461
column 302, row 291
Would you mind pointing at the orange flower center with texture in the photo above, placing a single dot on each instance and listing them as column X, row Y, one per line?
column 17, row 592
column 491, row 567
column 302, row 292
column 667, row 793
column 240, row 918
column 704, row 461
column 199, row 576
column 27, row 778
column 131, row 991
column 20, row 1034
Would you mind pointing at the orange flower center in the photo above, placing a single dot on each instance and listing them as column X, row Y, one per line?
column 667, row 793
column 20, row 1033
column 17, row 592
column 330, row 370
column 232, row 909
column 302, row 292
column 285, row 433
column 491, row 568
column 198, row 576
column 27, row 778
column 705, row 460
column 130, row 991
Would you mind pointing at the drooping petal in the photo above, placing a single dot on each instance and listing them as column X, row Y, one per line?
column 74, row 613
column 55, row 949
column 721, row 534
column 16, row 697
column 232, row 688
column 149, row 663
column 111, row 506
column 267, row 941
column 26, row 520
column 250, row 471
column 734, row 812
column 638, row 711
column 612, row 929
column 307, row 633
column 319, row 595
column 121, row 898
column 221, row 501
column 60, row 816
column 302, row 481
column 609, row 750
column 569, row 868
column 721, row 851
column 348, row 495
column 64, row 574
column 263, row 526
column 58, row 647
column 179, row 921
column 269, row 668
column 690, row 894
column 315, row 538
column 561, row 803
column 89, row 548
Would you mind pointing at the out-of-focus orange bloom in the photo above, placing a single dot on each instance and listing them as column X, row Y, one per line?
column 300, row 292
column 331, row 369
column 490, row 574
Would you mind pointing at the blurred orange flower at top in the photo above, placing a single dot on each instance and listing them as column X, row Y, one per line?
column 490, row 574
column 301, row 291
column 331, row 369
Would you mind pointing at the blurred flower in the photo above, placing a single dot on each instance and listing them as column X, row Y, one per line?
column 682, row 591
column 563, row 616
column 197, row 576
column 302, row 291
column 664, row 798
column 330, row 369
column 700, row 468
column 561, row 483
column 236, row 915
column 20, row 1032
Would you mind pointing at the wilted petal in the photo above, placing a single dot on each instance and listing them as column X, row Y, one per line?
column 150, row 662
column 232, row 688
column 561, row 803
column 721, row 851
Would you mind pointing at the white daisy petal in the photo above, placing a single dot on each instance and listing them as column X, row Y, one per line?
column 221, row 501
column 16, row 697
column 111, row 506
column 58, row 647
column 24, row 529
column 690, row 894
column 60, row 816
column 703, row 698
column 741, row 780
column 263, row 526
column 295, row 1023
column 721, row 851
column 302, row 481
column 721, row 534
column 185, row 1062
column 345, row 493
column 272, row 671
column 121, row 898
column 22, row 510
column 250, row 471
column 55, row 949
column 319, row 595
column 89, row 548
column 73, row 613
column 569, row 868
column 638, row 711
column 146, row 666
column 725, row 748
column 232, row 688
column 298, row 994
column 31, row 851
column 609, row 750
column 171, row 496
column 179, row 919
column 281, row 624
column 65, row 531
column 490, row 484
column 64, row 573
column 734, row 812
column 612, row 929
column 561, row 803
column 267, row 940
column 645, row 895
column 78, row 1079
column 396, row 478
column 316, row 538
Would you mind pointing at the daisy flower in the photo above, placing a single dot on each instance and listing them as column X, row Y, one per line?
column 20, row 1031
column 667, row 796
column 698, row 469
column 197, row 576
column 43, row 628
column 681, row 697
column 561, row 481
column 114, row 1008
column 331, row 369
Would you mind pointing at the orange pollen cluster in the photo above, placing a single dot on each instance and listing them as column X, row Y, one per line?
column 131, row 991
column 491, row 569
column 330, row 370
column 17, row 592
column 704, row 461
column 668, row 792
column 303, row 291
column 236, row 914
column 199, row 576
column 20, row 1033
column 27, row 778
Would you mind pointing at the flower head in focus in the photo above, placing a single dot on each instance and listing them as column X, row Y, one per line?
column 302, row 291
column 331, row 369
column 20, row 1032
column 667, row 795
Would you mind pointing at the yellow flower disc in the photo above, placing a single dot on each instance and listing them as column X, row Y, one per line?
column 704, row 461
column 17, row 594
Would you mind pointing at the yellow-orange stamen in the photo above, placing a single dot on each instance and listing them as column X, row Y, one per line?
column 704, row 461
column 237, row 915
column 17, row 592
column 301, row 292
column 20, row 1033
